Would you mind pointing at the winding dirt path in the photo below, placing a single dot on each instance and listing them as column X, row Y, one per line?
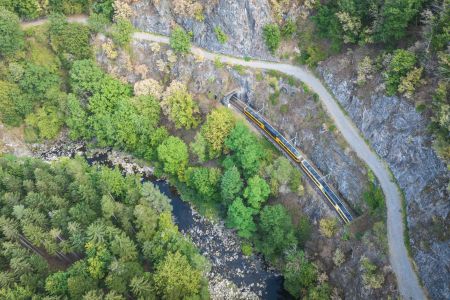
column 407, row 279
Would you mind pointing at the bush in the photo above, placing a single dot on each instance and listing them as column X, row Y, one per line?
column 288, row 29
column 13, row 105
column 47, row 121
column 272, row 36
column 374, row 197
column 121, row 32
column 220, row 35
column 372, row 278
column 328, row 227
column 11, row 37
column 247, row 249
column 71, row 41
column 402, row 62
column 180, row 41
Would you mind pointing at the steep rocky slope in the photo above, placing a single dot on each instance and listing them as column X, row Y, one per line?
column 241, row 21
column 398, row 133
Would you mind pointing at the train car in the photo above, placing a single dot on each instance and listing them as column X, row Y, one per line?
column 273, row 133
column 327, row 191
column 305, row 165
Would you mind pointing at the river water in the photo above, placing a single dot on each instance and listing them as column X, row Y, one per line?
column 232, row 275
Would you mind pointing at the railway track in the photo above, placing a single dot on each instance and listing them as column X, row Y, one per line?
column 298, row 161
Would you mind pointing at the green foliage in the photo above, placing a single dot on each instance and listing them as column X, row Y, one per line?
column 14, row 105
column 106, row 222
column 176, row 279
column 220, row 35
column 231, row 184
column 121, row 32
column 216, row 129
column 247, row 151
column 11, row 37
column 372, row 278
column 174, row 155
column 440, row 125
column 199, row 147
column 276, row 231
column 272, row 36
column 179, row 106
column 311, row 56
column 395, row 16
column 299, row 273
column 281, row 173
column 304, row 229
column 204, row 180
column 38, row 81
column 98, row 23
column 180, row 40
column 328, row 25
column 256, row 192
column 71, row 41
column 104, row 7
column 320, row 292
column 47, row 120
column 289, row 28
column 328, row 227
column 247, row 249
column 374, row 198
column 440, row 33
column 402, row 62
column 27, row 9
column 240, row 217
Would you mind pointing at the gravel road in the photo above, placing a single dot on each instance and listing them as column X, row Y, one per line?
column 406, row 276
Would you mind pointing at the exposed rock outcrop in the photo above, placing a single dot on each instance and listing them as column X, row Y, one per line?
column 399, row 135
column 242, row 21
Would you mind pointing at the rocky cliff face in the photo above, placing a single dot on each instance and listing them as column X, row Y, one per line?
column 398, row 134
column 242, row 21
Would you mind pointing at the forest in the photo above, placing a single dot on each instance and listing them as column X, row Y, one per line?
column 70, row 230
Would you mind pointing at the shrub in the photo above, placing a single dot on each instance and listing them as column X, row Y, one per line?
column 272, row 35
column 11, row 37
column 365, row 69
column 71, row 41
column 121, row 32
column 220, row 35
column 179, row 106
column 46, row 121
column 372, row 278
column 288, row 29
column 338, row 257
column 410, row 82
column 180, row 41
column 247, row 249
column 374, row 197
column 402, row 62
column 328, row 227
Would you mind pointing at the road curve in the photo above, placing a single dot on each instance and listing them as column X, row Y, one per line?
column 407, row 279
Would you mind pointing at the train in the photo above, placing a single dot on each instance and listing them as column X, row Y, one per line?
column 295, row 154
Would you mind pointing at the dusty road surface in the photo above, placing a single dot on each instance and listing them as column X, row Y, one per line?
column 407, row 278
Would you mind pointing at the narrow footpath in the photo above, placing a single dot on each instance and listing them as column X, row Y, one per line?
column 407, row 279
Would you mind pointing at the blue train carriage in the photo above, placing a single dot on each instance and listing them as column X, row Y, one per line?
column 272, row 132
column 327, row 191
